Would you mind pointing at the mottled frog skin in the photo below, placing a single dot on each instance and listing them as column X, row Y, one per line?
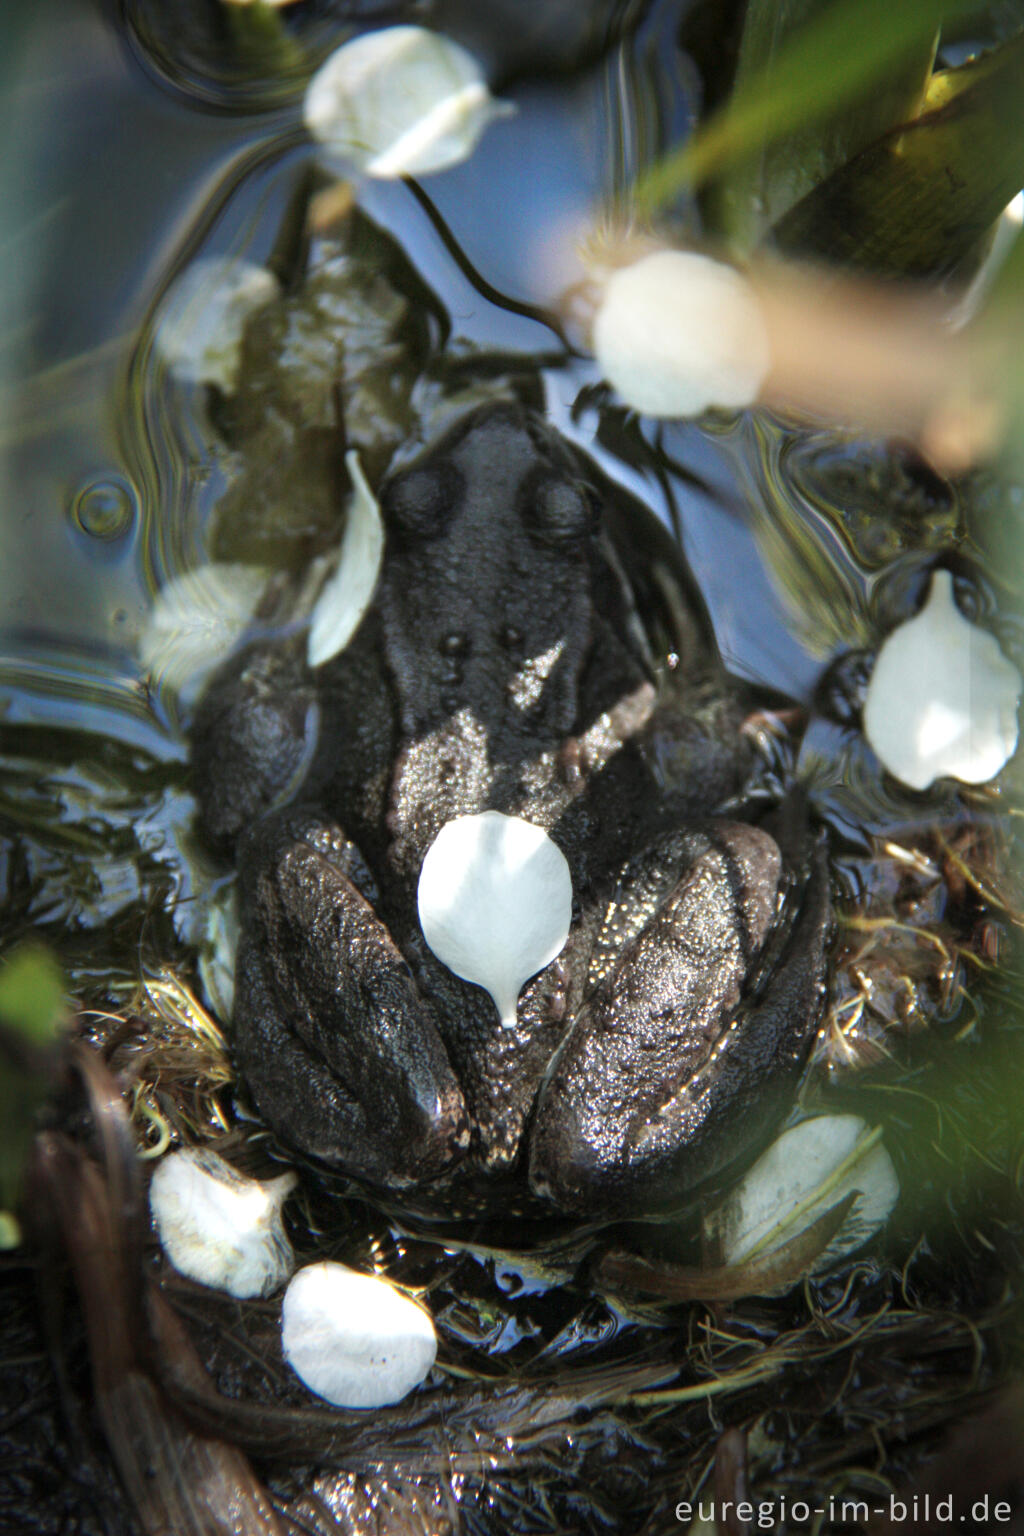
column 503, row 665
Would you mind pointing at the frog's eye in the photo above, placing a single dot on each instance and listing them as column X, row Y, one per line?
column 419, row 504
column 558, row 511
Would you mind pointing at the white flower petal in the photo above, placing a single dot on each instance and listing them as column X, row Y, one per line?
column 346, row 595
column 222, row 928
column 401, row 101
column 676, row 332
column 217, row 1226
column 200, row 331
column 196, row 619
column 495, row 902
column 809, row 1170
column 942, row 698
column 1007, row 233
column 355, row 1339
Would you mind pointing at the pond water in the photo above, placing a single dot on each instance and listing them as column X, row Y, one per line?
column 145, row 141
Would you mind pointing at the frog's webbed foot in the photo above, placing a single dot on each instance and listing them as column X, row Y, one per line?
column 666, row 1076
column 340, row 1052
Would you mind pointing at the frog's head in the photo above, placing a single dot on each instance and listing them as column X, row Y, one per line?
column 487, row 588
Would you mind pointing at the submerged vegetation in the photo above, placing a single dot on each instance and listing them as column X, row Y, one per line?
column 596, row 1377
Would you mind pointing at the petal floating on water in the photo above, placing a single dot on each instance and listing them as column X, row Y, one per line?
column 197, row 619
column 676, row 333
column 202, row 324
column 346, row 595
column 222, row 926
column 402, row 101
column 354, row 1339
column 942, row 699
column 809, row 1170
column 219, row 1227
column 495, row 902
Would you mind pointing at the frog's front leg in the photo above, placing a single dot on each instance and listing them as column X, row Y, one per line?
column 668, row 1073
column 340, row 1052
column 254, row 732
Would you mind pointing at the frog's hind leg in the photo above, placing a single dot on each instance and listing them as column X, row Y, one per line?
column 340, row 1052
column 704, row 994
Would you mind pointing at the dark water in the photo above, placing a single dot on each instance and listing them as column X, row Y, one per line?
column 139, row 149
column 111, row 474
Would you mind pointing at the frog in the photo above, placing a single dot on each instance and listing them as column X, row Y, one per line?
column 507, row 662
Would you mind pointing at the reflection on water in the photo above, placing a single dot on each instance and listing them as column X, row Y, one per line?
column 394, row 318
column 97, row 818
column 105, row 508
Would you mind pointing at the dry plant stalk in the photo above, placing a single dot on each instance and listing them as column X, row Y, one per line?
column 882, row 357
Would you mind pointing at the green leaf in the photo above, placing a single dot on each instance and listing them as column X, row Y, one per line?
column 32, row 995
column 830, row 61
column 262, row 40
column 921, row 201
column 1000, row 350
column 758, row 190
column 32, row 1018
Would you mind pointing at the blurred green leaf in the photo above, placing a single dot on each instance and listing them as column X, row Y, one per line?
column 261, row 38
column 830, row 61
column 922, row 199
column 1006, row 295
column 1000, row 342
column 32, row 996
column 761, row 187
column 32, row 1018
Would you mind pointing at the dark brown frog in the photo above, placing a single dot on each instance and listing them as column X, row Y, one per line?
column 505, row 664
